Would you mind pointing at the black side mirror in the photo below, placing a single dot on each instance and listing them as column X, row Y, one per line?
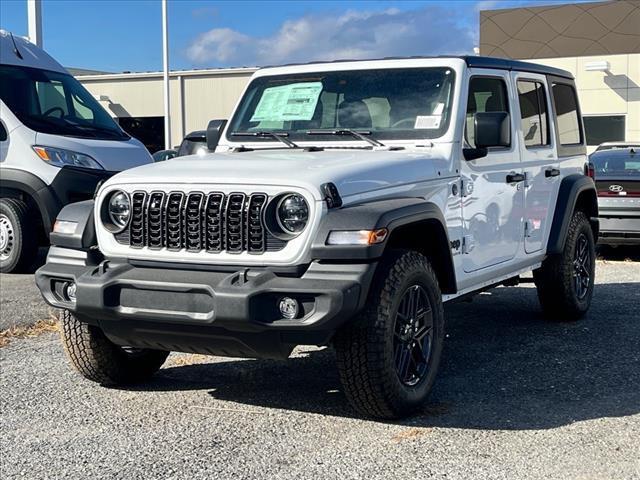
column 214, row 132
column 492, row 129
column 3, row 133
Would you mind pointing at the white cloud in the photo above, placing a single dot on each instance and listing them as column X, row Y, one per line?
column 431, row 30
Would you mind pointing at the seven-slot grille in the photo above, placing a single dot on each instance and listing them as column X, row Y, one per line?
column 196, row 221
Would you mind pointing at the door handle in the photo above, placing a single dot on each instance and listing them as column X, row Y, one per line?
column 551, row 172
column 515, row 178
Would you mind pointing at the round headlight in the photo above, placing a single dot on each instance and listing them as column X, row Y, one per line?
column 293, row 213
column 119, row 210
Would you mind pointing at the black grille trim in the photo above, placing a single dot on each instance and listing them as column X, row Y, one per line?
column 199, row 221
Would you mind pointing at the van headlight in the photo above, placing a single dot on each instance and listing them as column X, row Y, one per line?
column 63, row 158
column 292, row 213
column 116, row 211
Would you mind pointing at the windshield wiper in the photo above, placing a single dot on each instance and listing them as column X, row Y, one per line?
column 345, row 131
column 261, row 133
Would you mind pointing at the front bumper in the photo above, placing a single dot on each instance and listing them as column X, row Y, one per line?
column 232, row 312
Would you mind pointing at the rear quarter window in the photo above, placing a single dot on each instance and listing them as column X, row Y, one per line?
column 566, row 105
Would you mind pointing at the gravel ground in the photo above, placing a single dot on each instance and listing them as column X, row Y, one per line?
column 516, row 398
column 20, row 301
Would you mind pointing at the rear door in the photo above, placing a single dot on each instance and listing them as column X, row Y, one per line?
column 539, row 157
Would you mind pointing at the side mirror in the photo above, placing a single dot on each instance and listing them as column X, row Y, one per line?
column 492, row 129
column 214, row 132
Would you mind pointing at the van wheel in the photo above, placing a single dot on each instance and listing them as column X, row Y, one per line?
column 565, row 282
column 102, row 361
column 389, row 356
column 18, row 245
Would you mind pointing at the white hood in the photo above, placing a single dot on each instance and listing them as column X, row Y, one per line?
column 352, row 171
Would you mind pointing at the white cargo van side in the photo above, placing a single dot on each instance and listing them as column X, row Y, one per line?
column 57, row 144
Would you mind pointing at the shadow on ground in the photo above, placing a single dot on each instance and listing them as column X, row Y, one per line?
column 622, row 253
column 504, row 367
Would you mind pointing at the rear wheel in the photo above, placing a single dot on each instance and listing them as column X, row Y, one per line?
column 18, row 243
column 102, row 361
column 565, row 282
column 388, row 357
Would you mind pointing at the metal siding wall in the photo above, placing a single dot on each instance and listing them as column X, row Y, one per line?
column 208, row 98
column 205, row 97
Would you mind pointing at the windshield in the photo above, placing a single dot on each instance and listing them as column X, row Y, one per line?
column 55, row 103
column 618, row 162
column 387, row 104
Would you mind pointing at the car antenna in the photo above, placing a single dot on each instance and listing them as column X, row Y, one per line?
column 15, row 47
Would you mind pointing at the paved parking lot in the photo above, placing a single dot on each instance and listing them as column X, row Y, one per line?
column 516, row 398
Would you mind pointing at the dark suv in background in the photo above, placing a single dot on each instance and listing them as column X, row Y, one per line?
column 617, row 174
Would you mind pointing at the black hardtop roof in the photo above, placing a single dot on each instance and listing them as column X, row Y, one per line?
column 471, row 61
column 508, row 64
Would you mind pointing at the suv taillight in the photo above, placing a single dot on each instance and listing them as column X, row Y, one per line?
column 589, row 170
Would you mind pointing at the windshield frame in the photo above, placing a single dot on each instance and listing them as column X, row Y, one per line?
column 74, row 94
column 407, row 135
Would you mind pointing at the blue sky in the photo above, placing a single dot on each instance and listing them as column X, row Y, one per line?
column 126, row 35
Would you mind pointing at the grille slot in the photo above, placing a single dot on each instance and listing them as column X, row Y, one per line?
column 137, row 225
column 199, row 221
column 234, row 223
column 174, row 224
column 155, row 220
column 193, row 221
column 255, row 227
column 213, row 222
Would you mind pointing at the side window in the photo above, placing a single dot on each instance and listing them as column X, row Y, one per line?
column 533, row 113
column 566, row 104
column 486, row 94
column 3, row 133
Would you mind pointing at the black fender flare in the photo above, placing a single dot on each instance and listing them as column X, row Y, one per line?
column 576, row 190
column 21, row 181
column 391, row 214
column 84, row 236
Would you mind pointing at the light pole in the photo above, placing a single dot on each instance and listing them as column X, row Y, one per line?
column 165, row 60
column 34, row 15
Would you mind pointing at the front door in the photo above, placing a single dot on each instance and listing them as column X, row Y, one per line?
column 539, row 159
column 493, row 193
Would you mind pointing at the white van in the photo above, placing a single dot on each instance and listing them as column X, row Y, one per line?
column 56, row 145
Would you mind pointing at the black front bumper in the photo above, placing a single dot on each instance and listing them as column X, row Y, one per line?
column 231, row 313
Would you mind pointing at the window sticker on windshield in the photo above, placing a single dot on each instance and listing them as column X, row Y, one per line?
column 427, row 121
column 296, row 101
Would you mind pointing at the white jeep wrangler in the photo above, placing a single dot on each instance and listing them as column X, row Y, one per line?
column 344, row 204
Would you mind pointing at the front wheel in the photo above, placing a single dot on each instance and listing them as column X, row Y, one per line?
column 389, row 356
column 102, row 361
column 565, row 281
column 18, row 244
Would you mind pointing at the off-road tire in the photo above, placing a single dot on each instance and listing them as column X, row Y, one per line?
column 364, row 347
column 102, row 361
column 555, row 278
column 21, row 235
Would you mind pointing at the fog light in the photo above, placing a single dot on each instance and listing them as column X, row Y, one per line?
column 70, row 291
column 289, row 307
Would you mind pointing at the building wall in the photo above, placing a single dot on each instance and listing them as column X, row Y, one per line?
column 561, row 30
column 612, row 92
column 196, row 96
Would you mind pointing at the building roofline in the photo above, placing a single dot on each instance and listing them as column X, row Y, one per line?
column 172, row 73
